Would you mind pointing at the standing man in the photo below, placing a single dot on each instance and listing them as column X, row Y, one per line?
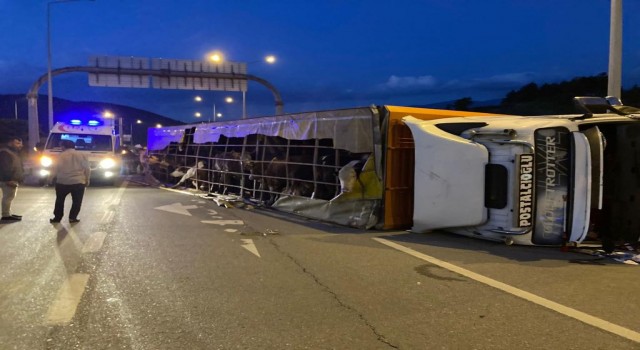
column 11, row 174
column 72, row 173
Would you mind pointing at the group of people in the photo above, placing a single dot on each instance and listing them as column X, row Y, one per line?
column 71, row 173
column 134, row 160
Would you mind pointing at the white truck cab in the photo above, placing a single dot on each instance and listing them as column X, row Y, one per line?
column 543, row 180
column 95, row 137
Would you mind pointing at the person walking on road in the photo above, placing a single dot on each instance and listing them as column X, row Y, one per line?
column 11, row 174
column 71, row 172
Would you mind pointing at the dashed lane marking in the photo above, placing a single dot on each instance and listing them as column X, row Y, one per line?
column 565, row 310
column 223, row 222
column 64, row 307
column 94, row 243
column 107, row 216
column 118, row 196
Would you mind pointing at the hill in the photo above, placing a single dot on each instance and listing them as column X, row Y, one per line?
column 545, row 99
column 14, row 107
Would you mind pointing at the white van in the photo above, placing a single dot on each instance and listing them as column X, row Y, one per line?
column 543, row 180
column 95, row 137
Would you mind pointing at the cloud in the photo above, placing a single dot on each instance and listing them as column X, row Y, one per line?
column 409, row 83
column 509, row 80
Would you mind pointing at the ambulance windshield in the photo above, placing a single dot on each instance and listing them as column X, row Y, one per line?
column 83, row 142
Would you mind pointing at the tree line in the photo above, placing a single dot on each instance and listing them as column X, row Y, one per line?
column 550, row 98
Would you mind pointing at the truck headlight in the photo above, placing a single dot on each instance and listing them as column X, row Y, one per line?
column 107, row 163
column 46, row 161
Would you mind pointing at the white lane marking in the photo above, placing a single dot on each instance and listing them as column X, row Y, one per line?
column 108, row 215
column 64, row 307
column 174, row 190
column 177, row 208
column 567, row 311
column 94, row 243
column 71, row 233
column 212, row 212
column 118, row 196
column 231, row 230
column 223, row 222
column 250, row 246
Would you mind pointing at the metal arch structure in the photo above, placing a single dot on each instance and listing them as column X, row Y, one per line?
column 32, row 95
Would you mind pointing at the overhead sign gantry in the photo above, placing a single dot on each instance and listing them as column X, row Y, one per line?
column 136, row 72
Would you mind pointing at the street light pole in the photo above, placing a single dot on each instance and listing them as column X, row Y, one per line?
column 49, row 82
column 269, row 59
column 614, row 83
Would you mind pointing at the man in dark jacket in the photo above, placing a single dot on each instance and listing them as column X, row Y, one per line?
column 11, row 174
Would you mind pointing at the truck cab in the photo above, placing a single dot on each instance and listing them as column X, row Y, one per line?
column 94, row 137
column 543, row 180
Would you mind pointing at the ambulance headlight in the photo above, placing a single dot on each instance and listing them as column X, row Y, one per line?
column 46, row 161
column 107, row 163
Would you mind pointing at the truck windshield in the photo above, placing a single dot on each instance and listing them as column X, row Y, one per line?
column 83, row 142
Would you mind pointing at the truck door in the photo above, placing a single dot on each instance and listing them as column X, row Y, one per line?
column 449, row 189
column 587, row 192
column 587, row 180
column 596, row 145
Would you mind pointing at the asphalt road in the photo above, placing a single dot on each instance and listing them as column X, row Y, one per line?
column 148, row 268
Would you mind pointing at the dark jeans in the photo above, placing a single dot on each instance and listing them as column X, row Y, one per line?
column 77, row 192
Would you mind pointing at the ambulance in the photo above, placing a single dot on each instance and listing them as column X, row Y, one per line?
column 530, row 180
column 95, row 137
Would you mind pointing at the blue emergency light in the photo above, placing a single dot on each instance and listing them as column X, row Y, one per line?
column 87, row 122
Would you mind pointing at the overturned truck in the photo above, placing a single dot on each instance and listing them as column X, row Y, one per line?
column 352, row 167
column 542, row 180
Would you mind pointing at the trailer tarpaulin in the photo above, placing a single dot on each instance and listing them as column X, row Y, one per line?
column 350, row 129
column 159, row 138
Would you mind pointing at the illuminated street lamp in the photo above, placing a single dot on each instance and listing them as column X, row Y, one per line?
column 216, row 115
column 131, row 129
column 269, row 59
column 49, row 82
column 216, row 57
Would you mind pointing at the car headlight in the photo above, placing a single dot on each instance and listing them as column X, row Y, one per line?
column 46, row 161
column 107, row 163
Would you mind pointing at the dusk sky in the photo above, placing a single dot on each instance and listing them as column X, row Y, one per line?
column 330, row 54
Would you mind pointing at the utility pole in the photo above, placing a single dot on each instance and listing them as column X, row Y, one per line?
column 614, row 86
